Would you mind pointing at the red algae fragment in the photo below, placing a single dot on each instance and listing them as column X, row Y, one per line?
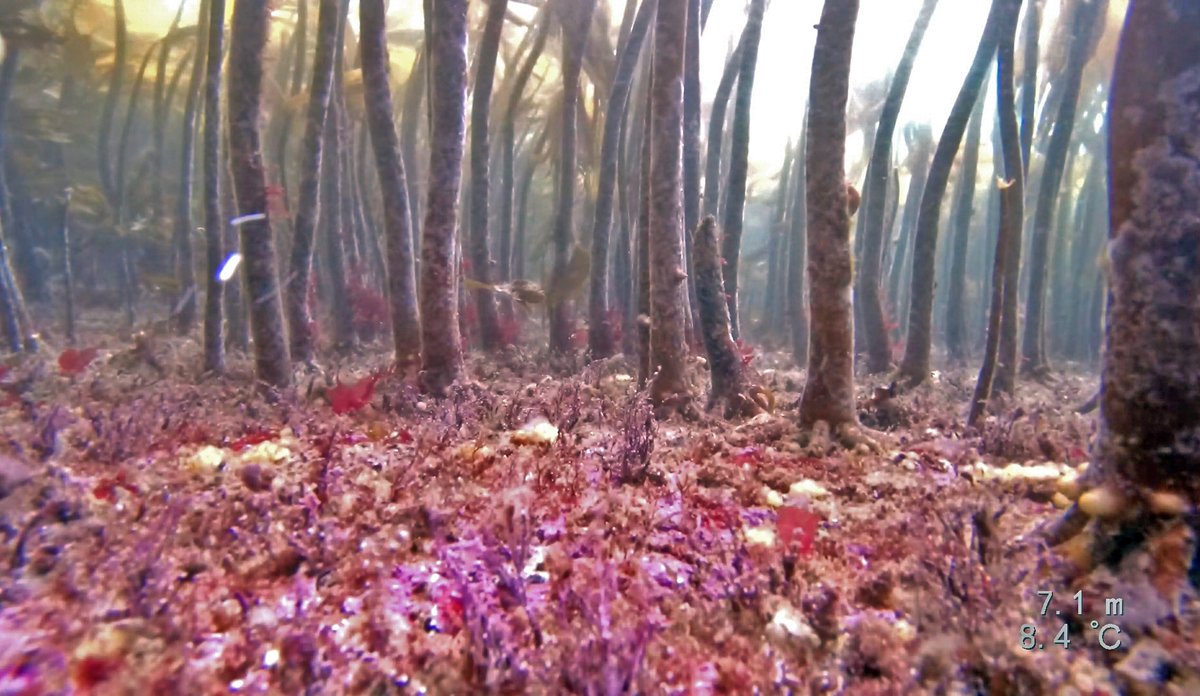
column 73, row 361
column 345, row 398
column 250, row 439
column 93, row 670
column 106, row 487
column 800, row 525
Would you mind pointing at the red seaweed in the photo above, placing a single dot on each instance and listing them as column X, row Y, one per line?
column 798, row 525
column 73, row 361
column 345, row 398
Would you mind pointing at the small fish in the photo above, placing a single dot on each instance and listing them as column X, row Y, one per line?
column 527, row 292
column 88, row 204
column 523, row 291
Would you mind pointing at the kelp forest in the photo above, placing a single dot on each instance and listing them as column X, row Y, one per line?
column 600, row 347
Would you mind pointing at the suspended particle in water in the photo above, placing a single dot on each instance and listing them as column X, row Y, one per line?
column 250, row 217
column 229, row 267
